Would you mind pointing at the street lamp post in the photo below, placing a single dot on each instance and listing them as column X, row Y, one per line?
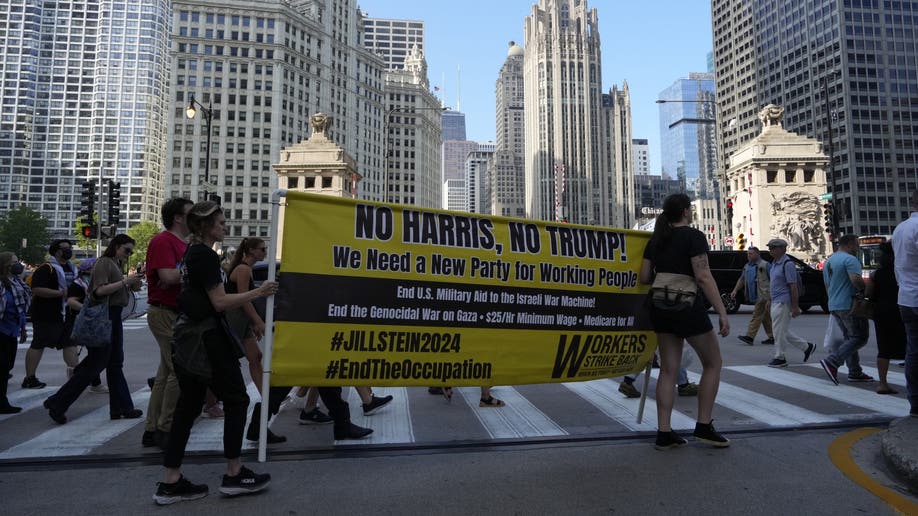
column 208, row 114
column 831, row 168
column 387, row 149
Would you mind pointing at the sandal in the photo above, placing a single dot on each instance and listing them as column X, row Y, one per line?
column 448, row 394
column 887, row 391
column 490, row 402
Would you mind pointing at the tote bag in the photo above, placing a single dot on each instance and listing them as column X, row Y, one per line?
column 92, row 328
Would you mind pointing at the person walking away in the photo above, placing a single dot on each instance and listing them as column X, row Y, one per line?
column 109, row 283
column 249, row 326
column 49, row 296
column 205, row 355
column 842, row 276
column 783, row 304
column 76, row 297
column 12, row 327
column 755, row 280
column 905, row 246
column 164, row 256
column 883, row 290
column 679, row 249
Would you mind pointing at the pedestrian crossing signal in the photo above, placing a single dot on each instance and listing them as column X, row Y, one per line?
column 90, row 232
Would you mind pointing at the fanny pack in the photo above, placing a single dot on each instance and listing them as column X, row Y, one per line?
column 673, row 292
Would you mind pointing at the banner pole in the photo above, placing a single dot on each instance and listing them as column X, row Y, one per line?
column 644, row 388
column 269, row 328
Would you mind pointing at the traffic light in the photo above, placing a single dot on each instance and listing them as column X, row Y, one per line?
column 827, row 217
column 729, row 211
column 90, row 232
column 114, row 202
column 87, row 201
column 741, row 242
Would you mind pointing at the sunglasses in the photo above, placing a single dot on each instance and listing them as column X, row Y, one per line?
column 128, row 251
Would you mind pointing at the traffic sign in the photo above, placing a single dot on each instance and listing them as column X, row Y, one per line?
column 729, row 241
column 825, row 196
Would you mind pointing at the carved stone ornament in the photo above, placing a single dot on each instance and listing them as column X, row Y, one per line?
column 796, row 217
column 320, row 123
column 771, row 115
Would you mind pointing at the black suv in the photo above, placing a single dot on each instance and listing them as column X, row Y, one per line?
column 726, row 267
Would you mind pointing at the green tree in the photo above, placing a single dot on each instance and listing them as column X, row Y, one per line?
column 25, row 225
column 142, row 233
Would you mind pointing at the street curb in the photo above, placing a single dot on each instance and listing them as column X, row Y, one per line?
column 900, row 450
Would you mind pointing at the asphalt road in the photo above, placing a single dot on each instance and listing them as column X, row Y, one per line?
column 564, row 448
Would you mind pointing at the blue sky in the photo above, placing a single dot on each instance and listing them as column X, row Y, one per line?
column 650, row 44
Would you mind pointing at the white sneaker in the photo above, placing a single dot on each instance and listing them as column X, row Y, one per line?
column 99, row 389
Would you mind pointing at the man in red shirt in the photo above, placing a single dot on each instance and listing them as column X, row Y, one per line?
column 164, row 255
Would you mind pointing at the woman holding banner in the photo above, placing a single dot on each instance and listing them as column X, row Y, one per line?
column 205, row 355
column 676, row 264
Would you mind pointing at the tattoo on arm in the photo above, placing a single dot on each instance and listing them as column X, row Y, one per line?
column 700, row 262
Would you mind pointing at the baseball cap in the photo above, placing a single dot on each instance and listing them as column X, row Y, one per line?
column 87, row 264
column 777, row 242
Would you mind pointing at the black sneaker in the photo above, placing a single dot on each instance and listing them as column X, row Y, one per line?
column 770, row 341
column 314, row 417
column 810, row 348
column 148, row 440
column 667, row 440
column 58, row 417
column 375, row 404
column 351, row 431
column 746, row 339
column 830, row 370
column 706, row 433
column 31, row 382
column 180, row 491
column 247, row 481
column 437, row 391
column 778, row 362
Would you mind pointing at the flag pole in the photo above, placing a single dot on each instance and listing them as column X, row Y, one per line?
column 640, row 413
column 269, row 327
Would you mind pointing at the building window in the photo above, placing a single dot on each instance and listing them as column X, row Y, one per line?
column 790, row 176
column 771, row 176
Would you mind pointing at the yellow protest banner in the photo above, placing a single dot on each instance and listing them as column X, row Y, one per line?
column 376, row 294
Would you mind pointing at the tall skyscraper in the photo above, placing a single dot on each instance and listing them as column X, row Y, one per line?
column 687, row 138
column 507, row 169
column 453, row 125
column 476, row 177
column 617, row 153
column 845, row 74
column 641, row 152
column 393, row 39
column 265, row 67
column 84, row 94
column 568, row 168
column 414, row 135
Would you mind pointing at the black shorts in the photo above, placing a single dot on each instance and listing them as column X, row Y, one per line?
column 687, row 323
column 50, row 334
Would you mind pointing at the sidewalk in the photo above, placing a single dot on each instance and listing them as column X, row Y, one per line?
column 900, row 448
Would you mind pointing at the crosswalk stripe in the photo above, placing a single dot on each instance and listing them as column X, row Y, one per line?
column 768, row 410
column 891, row 376
column 391, row 424
column 129, row 325
column 518, row 418
column 80, row 435
column 29, row 399
column 603, row 394
column 823, row 387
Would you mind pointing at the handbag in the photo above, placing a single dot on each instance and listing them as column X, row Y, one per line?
column 673, row 292
column 862, row 307
column 92, row 327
